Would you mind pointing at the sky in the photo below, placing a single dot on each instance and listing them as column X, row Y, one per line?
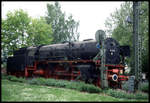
column 91, row 15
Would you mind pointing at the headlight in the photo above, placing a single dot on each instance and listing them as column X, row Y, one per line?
column 114, row 77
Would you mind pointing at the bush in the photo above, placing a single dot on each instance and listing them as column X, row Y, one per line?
column 144, row 87
column 123, row 94
column 13, row 78
column 32, row 81
column 140, row 95
column 57, row 83
column 81, row 86
column 50, row 82
column 4, row 76
column 73, row 85
column 125, row 86
column 20, row 79
column 40, row 81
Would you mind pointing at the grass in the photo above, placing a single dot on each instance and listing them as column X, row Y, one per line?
column 80, row 86
column 144, row 87
column 15, row 91
column 123, row 94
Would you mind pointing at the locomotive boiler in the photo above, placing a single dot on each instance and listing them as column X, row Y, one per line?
column 71, row 61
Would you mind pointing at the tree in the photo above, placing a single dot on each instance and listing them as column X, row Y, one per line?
column 14, row 31
column 123, row 32
column 19, row 30
column 144, row 31
column 63, row 30
column 72, row 27
column 40, row 32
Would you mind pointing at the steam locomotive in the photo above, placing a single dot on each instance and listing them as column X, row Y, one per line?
column 71, row 61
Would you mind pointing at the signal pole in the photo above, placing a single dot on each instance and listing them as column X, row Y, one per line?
column 103, row 68
column 100, row 38
column 137, row 54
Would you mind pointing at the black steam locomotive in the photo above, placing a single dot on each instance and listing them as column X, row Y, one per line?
column 69, row 60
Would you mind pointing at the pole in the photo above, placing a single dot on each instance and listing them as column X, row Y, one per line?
column 136, row 41
column 100, row 38
column 103, row 68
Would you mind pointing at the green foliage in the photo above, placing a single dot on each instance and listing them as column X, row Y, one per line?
column 125, row 86
column 33, row 81
column 122, row 31
column 4, row 76
column 84, row 87
column 4, row 64
column 15, row 91
column 39, row 32
column 63, row 29
column 19, row 30
column 16, row 79
column 144, row 87
column 13, row 31
column 123, row 94
column 141, row 95
column 50, row 82
column 80, row 86
column 13, row 78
